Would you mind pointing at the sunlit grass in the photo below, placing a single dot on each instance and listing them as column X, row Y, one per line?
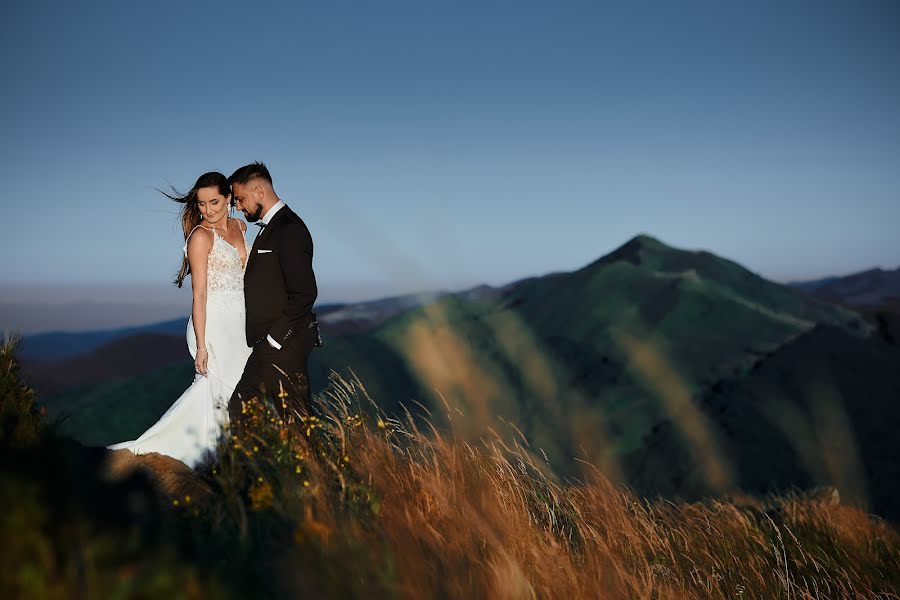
column 351, row 503
column 419, row 514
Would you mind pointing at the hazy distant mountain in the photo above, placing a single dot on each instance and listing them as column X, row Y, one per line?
column 867, row 288
column 333, row 318
column 58, row 361
column 359, row 317
column 30, row 317
column 54, row 346
column 812, row 284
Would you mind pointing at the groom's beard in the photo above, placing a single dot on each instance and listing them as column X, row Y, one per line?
column 255, row 216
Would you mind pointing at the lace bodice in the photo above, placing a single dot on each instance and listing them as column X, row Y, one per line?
column 225, row 271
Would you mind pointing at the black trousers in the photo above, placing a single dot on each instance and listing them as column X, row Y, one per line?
column 270, row 373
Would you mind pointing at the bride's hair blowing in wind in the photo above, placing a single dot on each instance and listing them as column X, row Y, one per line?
column 190, row 212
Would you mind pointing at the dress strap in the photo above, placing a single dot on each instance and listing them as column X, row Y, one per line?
column 192, row 233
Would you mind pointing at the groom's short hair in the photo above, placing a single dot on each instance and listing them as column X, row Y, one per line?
column 249, row 172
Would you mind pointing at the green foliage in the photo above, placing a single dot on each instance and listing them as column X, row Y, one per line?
column 20, row 417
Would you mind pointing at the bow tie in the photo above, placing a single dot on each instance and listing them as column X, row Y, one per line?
column 260, row 224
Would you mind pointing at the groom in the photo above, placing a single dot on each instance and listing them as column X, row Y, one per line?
column 279, row 292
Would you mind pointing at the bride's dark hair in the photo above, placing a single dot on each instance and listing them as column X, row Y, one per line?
column 190, row 212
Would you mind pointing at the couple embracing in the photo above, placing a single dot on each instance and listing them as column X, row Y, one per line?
column 252, row 327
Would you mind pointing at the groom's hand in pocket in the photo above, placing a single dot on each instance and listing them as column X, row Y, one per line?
column 201, row 361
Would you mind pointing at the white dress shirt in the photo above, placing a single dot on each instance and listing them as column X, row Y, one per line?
column 266, row 218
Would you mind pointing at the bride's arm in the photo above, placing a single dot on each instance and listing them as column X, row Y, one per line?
column 198, row 256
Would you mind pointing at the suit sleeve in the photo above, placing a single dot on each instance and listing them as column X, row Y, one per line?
column 295, row 253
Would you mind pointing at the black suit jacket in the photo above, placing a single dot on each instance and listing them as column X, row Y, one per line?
column 279, row 283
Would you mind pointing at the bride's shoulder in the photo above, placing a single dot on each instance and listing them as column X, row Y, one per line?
column 199, row 241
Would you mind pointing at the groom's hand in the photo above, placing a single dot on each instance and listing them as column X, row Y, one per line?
column 273, row 343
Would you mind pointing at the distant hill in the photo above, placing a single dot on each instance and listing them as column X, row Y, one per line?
column 360, row 317
column 333, row 318
column 874, row 293
column 868, row 288
column 59, row 361
column 120, row 358
column 54, row 346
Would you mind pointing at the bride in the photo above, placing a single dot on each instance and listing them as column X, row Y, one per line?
column 215, row 256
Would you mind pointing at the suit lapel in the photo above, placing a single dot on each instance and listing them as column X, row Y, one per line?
column 263, row 236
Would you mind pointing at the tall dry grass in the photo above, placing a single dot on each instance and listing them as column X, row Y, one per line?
column 352, row 504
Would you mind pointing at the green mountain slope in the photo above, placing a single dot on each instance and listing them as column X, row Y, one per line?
column 115, row 411
column 556, row 354
column 823, row 409
column 589, row 364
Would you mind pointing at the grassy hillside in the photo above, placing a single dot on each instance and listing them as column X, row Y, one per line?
column 821, row 409
column 590, row 366
column 555, row 353
column 353, row 504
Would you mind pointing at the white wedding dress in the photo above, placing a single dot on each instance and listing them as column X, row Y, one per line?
column 191, row 427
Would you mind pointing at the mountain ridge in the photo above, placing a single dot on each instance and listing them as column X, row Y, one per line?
column 588, row 363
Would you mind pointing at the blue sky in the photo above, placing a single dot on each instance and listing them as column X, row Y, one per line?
column 443, row 144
